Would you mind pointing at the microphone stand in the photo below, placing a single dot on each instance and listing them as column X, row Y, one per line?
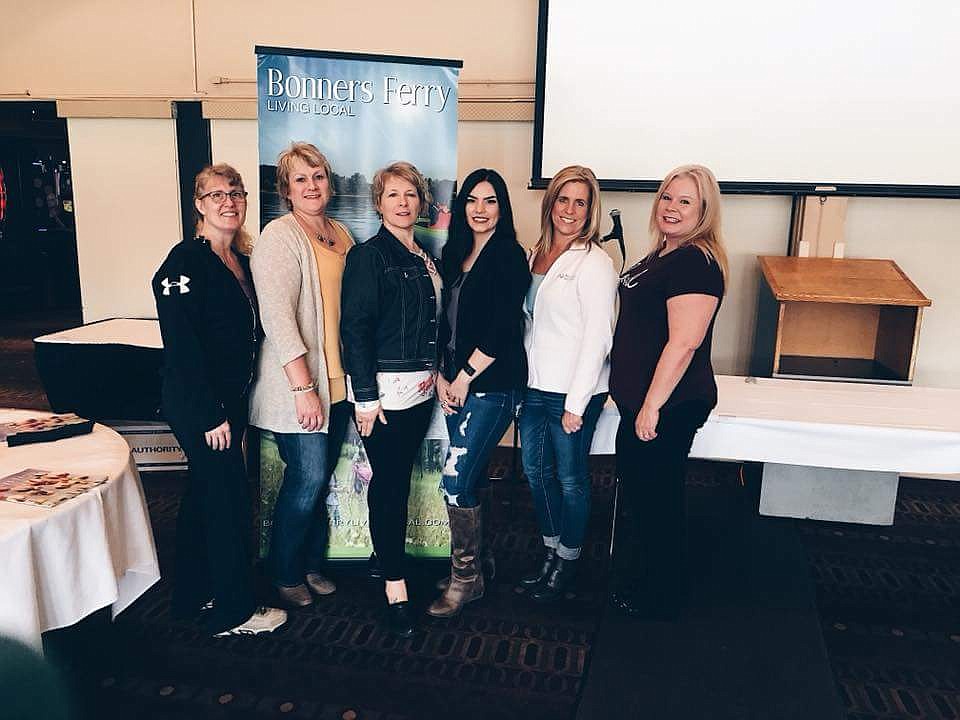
column 616, row 233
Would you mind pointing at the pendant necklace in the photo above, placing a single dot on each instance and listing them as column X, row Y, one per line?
column 321, row 238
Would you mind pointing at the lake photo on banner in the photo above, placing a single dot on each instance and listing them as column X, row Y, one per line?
column 354, row 211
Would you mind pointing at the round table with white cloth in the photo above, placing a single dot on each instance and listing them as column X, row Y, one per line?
column 60, row 564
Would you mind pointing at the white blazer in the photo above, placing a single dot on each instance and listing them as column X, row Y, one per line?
column 569, row 336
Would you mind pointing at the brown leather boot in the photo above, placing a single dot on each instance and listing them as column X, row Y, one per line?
column 488, row 563
column 466, row 580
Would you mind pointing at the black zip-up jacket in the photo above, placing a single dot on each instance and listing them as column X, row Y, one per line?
column 388, row 312
column 490, row 317
column 210, row 334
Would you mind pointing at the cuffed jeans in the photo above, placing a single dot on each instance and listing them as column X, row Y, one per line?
column 301, row 531
column 557, row 468
column 474, row 430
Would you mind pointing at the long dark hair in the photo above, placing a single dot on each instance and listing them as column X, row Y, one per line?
column 460, row 240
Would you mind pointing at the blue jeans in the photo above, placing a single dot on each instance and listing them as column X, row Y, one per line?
column 556, row 466
column 298, row 543
column 475, row 429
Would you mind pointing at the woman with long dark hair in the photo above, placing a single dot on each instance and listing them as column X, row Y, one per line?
column 484, row 369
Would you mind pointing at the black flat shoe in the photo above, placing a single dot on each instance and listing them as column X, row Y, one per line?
column 398, row 620
column 539, row 573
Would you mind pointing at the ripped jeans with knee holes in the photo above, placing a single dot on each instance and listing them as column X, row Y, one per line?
column 475, row 429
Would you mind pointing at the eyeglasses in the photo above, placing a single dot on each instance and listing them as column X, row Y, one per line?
column 220, row 197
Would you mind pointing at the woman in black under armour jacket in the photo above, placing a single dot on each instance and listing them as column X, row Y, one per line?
column 208, row 319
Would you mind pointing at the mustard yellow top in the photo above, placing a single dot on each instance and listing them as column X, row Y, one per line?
column 330, row 264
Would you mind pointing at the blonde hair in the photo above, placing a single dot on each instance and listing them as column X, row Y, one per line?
column 706, row 234
column 405, row 171
column 591, row 229
column 308, row 153
column 242, row 242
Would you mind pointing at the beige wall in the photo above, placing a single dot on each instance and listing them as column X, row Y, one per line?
column 128, row 213
column 431, row 28
column 235, row 142
column 64, row 48
column 923, row 236
column 196, row 49
column 203, row 48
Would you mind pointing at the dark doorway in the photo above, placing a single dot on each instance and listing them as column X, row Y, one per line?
column 39, row 275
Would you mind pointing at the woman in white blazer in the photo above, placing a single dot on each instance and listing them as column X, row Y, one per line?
column 570, row 314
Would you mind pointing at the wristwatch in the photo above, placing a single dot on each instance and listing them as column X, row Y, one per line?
column 469, row 369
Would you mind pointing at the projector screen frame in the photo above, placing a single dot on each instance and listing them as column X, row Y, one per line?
column 539, row 182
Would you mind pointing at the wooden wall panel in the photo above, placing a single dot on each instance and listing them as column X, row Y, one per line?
column 97, row 48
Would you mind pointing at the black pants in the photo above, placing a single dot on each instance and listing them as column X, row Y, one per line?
column 214, row 551
column 392, row 450
column 649, row 555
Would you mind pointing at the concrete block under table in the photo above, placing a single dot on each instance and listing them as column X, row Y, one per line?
column 815, row 493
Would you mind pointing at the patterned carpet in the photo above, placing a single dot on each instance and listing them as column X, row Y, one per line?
column 889, row 602
column 504, row 657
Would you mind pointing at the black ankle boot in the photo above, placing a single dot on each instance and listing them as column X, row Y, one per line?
column 541, row 571
column 559, row 580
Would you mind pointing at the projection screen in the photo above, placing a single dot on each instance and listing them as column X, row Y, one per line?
column 857, row 96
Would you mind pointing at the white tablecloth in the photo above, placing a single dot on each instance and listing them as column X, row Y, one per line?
column 848, row 426
column 58, row 565
column 118, row 331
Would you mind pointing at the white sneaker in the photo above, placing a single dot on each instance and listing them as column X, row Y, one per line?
column 264, row 619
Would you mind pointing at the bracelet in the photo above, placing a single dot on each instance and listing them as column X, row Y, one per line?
column 303, row 388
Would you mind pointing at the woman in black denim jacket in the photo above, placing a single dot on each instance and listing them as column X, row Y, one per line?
column 388, row 326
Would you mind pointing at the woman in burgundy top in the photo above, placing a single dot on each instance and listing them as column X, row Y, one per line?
column 662, row 381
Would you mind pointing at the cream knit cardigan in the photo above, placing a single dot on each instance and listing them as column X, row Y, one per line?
column 287, row 282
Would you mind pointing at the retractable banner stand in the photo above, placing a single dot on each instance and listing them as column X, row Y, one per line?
column 363, row 112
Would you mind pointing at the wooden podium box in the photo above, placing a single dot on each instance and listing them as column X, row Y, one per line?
column 836, row 319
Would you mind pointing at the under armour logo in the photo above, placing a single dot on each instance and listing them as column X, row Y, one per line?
column 181, row 285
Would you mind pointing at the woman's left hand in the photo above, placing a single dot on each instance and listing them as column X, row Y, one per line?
column 571, row 423
column 646, row 423
column 458, row 389
column 218, row 438
column 442, row 387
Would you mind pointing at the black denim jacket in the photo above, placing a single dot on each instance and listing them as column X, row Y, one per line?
column 388, row 313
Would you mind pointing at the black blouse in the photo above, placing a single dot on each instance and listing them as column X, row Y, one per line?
column 642, row 330
column 490, row 317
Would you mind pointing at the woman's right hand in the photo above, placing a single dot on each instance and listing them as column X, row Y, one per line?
column 219, row 437
column 309, row 410
column 366, row 419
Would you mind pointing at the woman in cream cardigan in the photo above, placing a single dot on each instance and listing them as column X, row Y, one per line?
column 300, row 391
